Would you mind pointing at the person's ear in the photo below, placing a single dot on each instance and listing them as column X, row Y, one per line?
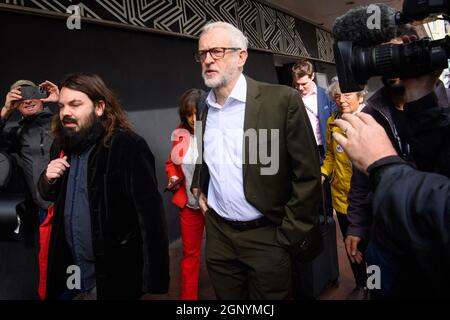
column 360, row 98
column 243, row 55
column 313, row 75
column 100, row 108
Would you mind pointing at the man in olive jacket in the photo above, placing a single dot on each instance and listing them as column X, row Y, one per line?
column 259, row 181
column 109, row 221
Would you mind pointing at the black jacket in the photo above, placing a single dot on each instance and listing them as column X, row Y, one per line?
column 360, row 198
column 129, row 231
column 31, row 140
column 426, row 148
column 412, row 216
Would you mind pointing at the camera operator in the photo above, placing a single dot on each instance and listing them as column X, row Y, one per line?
column 386, row 106
column 359, row 56
column 410, row 207
column 30, row 140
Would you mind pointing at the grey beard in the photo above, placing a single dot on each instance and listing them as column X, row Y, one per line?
column 222, row 81
column 215, row 83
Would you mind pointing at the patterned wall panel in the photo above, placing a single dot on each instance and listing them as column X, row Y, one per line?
column 325, row 45
column 265, row 27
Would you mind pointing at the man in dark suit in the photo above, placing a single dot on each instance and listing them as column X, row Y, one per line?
column 259, row 209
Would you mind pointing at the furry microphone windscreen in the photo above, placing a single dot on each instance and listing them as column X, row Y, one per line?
column 366, row 26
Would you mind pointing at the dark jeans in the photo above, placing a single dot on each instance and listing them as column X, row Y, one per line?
column 404, row 277
column 327, row 204
column 359, row 270
column 389, row 270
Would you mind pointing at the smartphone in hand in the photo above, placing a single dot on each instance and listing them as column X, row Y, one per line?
column 171, row 186
column 32, row 93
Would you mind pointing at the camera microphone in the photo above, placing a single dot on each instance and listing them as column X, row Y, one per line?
column 374, row 24
column 366, row 26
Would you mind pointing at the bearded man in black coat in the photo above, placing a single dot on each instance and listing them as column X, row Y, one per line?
column 109, row 236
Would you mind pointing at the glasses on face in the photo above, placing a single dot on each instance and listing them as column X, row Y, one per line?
column 344, row 96
column 216, row 53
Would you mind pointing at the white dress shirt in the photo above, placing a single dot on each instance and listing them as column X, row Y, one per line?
column 310, row 102
column 223, row 142
column 188, row 167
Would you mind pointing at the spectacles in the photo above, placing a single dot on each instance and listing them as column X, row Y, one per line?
column 345, row 96
column 216, row 53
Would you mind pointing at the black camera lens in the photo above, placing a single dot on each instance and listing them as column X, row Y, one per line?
column 355, row 65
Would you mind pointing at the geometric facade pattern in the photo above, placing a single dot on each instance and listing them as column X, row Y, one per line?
column 265, row 27
column 325, row 45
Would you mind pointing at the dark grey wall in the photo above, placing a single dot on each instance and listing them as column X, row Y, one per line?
column 147, row 71
column 327, row 68
column 285, row 75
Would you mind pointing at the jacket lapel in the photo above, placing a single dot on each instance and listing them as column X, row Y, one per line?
column 203, row 119
column 252, row 107
column 320, row 110
column 322, row 113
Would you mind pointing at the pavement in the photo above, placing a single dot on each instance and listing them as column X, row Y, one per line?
column 206, row 291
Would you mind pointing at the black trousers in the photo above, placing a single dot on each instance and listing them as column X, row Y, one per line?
column 326, row 187
column 246, row 264
column 359, row 270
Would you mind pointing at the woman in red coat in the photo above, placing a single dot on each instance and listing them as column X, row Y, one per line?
column 180, row 167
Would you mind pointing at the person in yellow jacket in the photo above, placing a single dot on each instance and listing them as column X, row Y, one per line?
column 338, row 169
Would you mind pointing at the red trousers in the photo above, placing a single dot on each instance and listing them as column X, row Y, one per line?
column 45, row 230
column 192, row 225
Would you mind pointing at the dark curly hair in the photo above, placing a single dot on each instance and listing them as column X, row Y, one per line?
column 95, row 88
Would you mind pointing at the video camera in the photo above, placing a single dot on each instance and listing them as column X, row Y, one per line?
column 357, row 64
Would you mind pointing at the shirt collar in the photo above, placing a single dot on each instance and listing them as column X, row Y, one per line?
column 239, row 93
column 313, row 91
column 361, row 106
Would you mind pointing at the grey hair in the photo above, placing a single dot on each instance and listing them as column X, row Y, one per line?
column 363, row 93
column 237, row 37
column 334, row 88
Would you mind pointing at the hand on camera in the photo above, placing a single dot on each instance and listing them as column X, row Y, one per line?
column 365, row 140
column 11, row 102
column 53, row 91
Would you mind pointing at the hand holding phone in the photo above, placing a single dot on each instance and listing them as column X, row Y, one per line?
column 53, row 91
column 174, row 184
column 10, row 103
